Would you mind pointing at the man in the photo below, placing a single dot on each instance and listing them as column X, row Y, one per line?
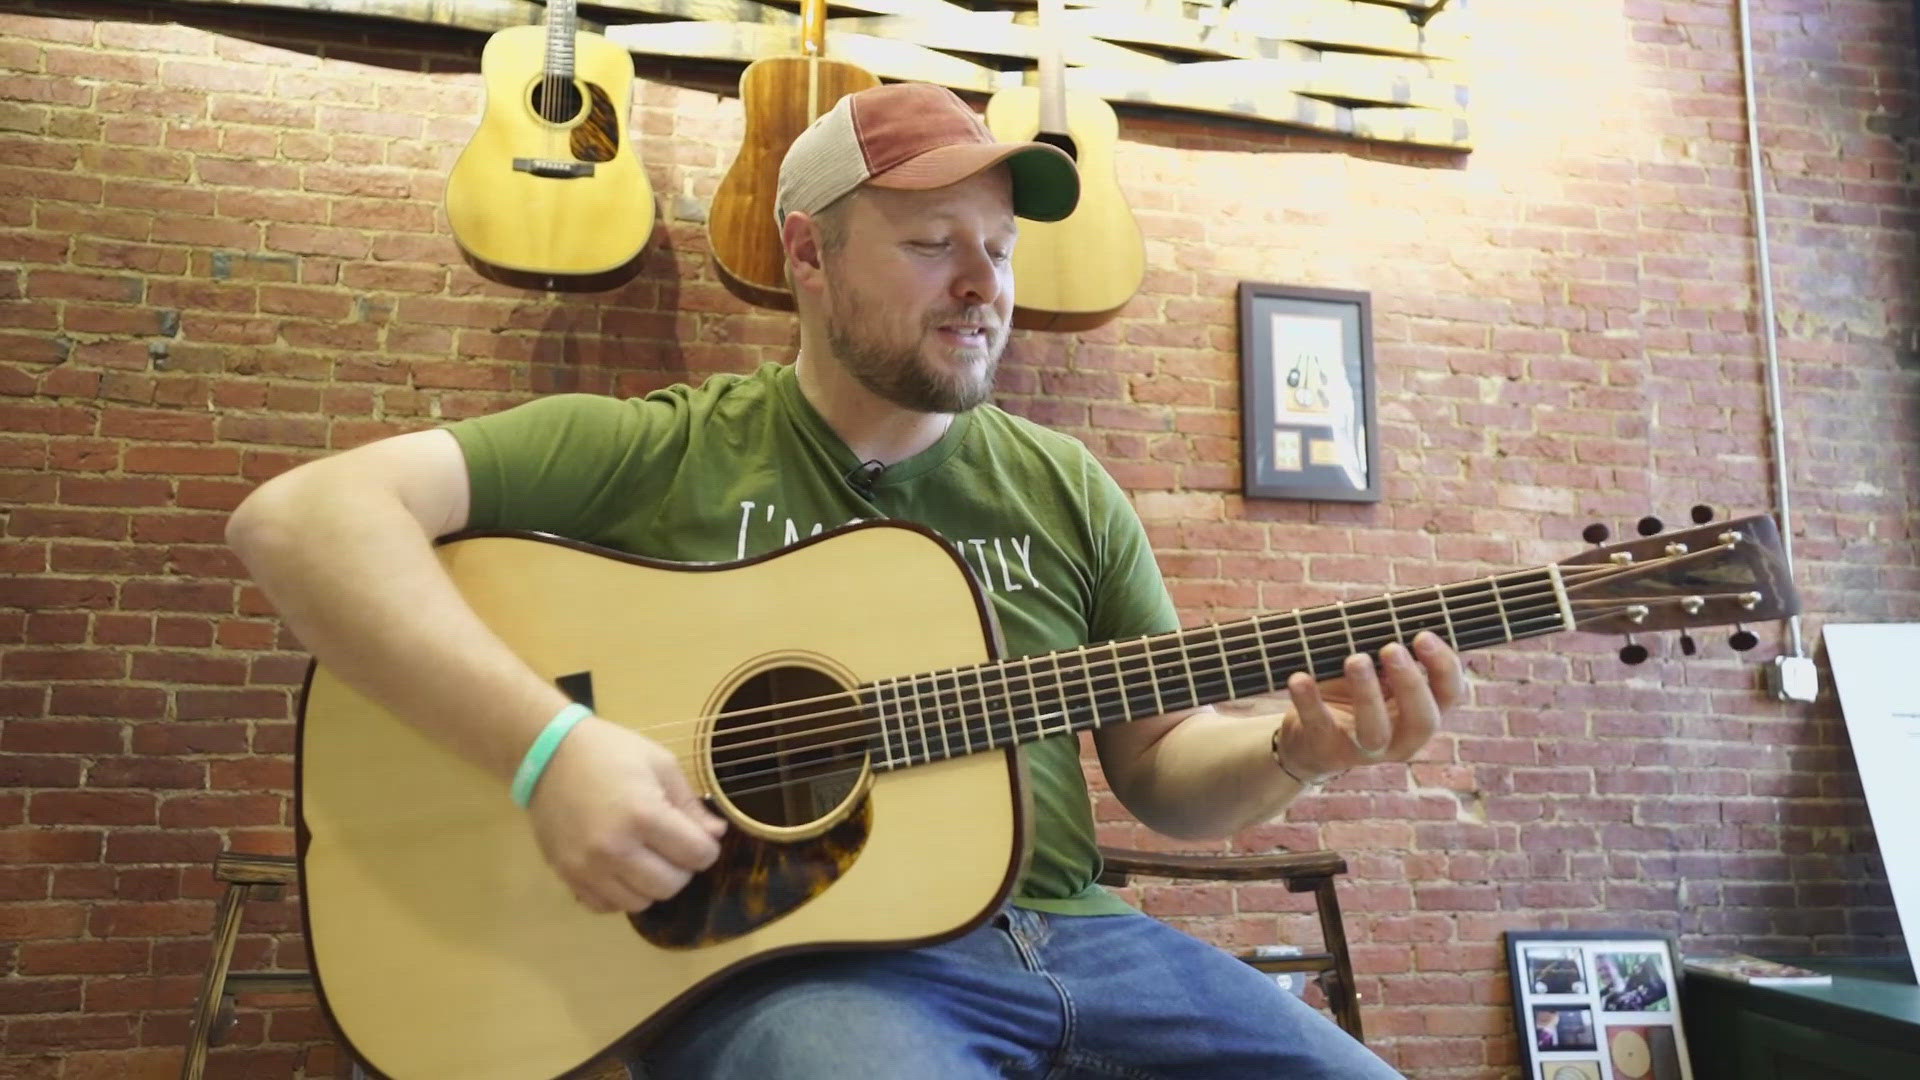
column 897, row 213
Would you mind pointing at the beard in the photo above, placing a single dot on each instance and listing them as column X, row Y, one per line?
column 892, row 365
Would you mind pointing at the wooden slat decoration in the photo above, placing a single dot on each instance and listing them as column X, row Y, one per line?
column 1384, row 70
column 483, row 16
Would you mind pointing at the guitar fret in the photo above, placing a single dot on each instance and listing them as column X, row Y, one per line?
column 1500, row 605
column 1086, row 677
column 1306, row 649
column 920, row 717
column 940, row 718
column 1186, row 664
column 1226, row 662
column 1453, row 639
column 1266, row 662
column 1122, row 701
column 1066, row 706
column 1007, row 710
column 986, row 707
column 1347, row 625
column 900, row 714
column 1153, row 676
column 966, row 726
column 1033, row 697
column 1394, row 618
column 886, row 735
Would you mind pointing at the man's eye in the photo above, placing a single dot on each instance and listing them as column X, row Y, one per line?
column 930, row 245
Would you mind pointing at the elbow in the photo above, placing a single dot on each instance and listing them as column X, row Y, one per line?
column 1168, row 817
column 262, row 518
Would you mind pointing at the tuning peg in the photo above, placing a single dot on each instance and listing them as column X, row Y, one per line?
column 1633, row 652
column 1702, row 513
column 1649, row 525
column 1595, row 534
column 1687, row 645
column 1742, row 639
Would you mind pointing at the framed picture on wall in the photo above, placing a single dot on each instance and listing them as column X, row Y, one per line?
column 1597, row 1005
column 1308, row 423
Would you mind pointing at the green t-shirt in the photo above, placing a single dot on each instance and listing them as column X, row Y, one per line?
column 743, row 465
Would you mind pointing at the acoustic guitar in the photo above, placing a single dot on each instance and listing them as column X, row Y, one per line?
column 550, row 185
column 1076, row 273
column 781, row 96
column 845, row 704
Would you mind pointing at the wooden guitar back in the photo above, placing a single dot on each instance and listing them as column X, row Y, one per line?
column 1077, row 273
column 740, row 226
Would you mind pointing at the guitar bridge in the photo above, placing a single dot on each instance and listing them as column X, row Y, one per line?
column 551, row 167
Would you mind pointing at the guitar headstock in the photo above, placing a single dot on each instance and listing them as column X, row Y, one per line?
column 1716, row 574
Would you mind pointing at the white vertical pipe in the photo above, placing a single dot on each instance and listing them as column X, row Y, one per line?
column 1775, row 418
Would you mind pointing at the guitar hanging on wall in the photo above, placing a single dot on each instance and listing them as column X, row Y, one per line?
column 843, row 703
column 1076, row 273
column 550, row 185
column 781, row 96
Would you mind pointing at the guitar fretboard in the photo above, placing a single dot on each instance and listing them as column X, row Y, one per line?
column 562, row 20
column 968, row 710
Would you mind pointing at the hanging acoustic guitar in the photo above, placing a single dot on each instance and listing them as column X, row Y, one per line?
column 550, row 184
column 845, row 704
column 781, row 96
column 1076, row 273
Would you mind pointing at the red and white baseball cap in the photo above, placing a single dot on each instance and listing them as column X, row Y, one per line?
column 916, row 137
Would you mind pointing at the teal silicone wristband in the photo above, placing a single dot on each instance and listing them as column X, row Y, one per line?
column 541, row 752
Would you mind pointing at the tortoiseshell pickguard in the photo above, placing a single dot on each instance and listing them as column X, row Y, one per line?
column 754, row 882
column 597, row 137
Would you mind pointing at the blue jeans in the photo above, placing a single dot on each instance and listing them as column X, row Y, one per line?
column 1027, row 995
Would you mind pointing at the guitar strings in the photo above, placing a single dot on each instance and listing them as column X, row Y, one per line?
column 734, row 792
column 1177, row 659
column 1531, row 618
column 1314, row 633
column 1072, row 697
column 1073, row 700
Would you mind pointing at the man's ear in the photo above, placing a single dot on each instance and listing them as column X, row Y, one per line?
column 800, row 239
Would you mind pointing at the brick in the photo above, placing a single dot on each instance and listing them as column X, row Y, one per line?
column 169, row 845
column 150, row 1063
column 71, row 1032
column 219, row 810
column 63, row 664
column 84, row 491
column 91, row 808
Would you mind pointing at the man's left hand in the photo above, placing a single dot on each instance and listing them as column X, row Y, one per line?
column 1369, row 714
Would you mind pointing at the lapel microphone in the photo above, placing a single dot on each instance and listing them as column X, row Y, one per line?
column 863, row 476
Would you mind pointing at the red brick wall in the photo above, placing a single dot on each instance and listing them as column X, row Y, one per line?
column 222, row 253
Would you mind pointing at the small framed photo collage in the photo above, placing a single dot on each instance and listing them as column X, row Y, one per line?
column 1597, row 1005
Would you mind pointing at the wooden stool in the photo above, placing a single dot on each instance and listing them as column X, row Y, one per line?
column 1303, row 871
column 248, row 877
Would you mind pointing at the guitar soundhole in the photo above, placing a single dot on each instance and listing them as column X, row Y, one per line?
column 557, row 101
column 789, row 746
column 1060, row 141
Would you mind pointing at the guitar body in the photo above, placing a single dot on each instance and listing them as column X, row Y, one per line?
column 740, row 225
column 519, row 220
column 444, row 946
column 1076, row 273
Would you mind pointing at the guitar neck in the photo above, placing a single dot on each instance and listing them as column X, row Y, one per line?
column 813, row 45
column 992, row 706
column 1053, row 78
column 562, row 21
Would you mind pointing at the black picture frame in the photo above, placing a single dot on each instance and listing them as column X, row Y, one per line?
column 1308, row 415
column 1598, row 1003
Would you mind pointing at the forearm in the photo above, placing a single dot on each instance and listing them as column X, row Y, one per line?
column 1210, row 775
column 354, row 575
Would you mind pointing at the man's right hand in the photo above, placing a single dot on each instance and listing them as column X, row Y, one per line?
column 617, row 819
